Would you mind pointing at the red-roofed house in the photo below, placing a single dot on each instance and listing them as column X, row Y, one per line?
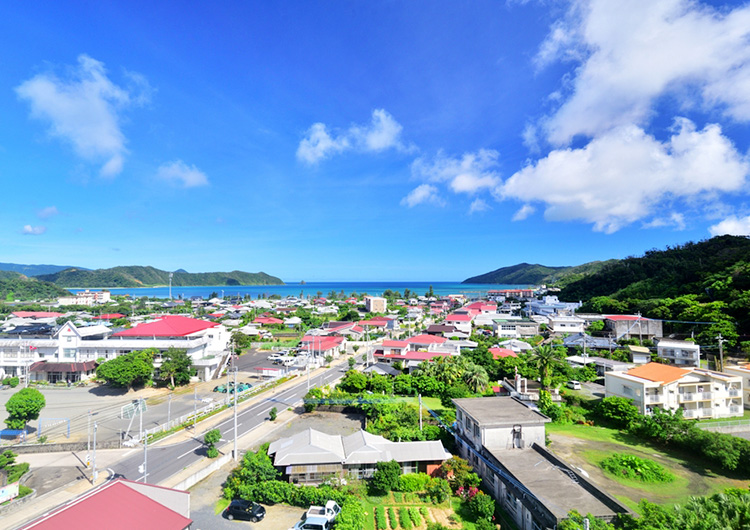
column 268, row 321
column 322, row 345
column 120, row 505
column 109, row 316
column 36, row 314
column 462, row 322
column 501, row 353
column 698, row 392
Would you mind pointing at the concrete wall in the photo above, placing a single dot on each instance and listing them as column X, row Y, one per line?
column 60, row 448
column 203, row 473
column 503, row 436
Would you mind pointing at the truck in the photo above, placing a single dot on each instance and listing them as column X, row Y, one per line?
column 312, row 523
column 329, row 511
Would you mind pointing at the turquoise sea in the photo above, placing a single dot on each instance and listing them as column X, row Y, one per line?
column 312, row 289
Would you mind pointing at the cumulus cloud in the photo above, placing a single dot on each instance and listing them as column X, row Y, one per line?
column 469, row 174
column 178, row 172
column 84, row 110
column 383, row 132
column 478, row 205
column 621, row 176
column 733, row 225
column 424, row 193
column 675, row 220
column 46, row 213
column 632, row 53
column 29, row 230
column 523, row 212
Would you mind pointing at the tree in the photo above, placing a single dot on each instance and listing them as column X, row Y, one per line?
column 134, row 368
column 386, row 475
column 24, row 405
column 482, row 506
column 545, row 359
column 177, row 366
column 476, row 378
column 211, row 438
column 353, row 382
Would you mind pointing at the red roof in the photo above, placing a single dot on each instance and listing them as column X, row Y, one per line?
column 372, row 322
column 426, row 339
column 458, row 318
column 168, row 326
column 414, row 355
column 395, row 344
column 358, row 329
column 113, row 506
column 109, row 316
column 36, row 314
column 499, row 353
column 268, row 320
column 625, row 317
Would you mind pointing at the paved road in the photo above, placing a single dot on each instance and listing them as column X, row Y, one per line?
column 164, row 462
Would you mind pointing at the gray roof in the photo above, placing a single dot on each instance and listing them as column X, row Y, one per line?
column 554, row 488
column 382, row 369
column 499, row 410
column 362, row 447
column 601, row 343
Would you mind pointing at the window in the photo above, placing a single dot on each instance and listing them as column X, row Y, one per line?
column 627, row 390
column 476, row 429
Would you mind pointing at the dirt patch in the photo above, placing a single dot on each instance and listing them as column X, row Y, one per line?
column 442, row 516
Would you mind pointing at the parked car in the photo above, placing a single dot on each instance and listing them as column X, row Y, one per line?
column 575, row 385
column 221, row 388
column 274, row 357
column 246, row 510
column 329, row 511
column 312, row 523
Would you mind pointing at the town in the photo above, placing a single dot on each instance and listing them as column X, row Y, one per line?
column 444, row 396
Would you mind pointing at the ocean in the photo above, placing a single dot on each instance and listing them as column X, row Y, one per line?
column 311, row 289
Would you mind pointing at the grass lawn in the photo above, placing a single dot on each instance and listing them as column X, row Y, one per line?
column 586, row 446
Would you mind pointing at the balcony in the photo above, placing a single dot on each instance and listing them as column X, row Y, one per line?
column 734, row 392
column 654, row 398
column 686, row 397
column 735, row 409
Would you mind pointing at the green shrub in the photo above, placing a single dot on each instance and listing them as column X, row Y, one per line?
column 351, row 516
column 380, row 522
column 272, row 414
column 482, row 506
column 404, row 519
column 413, row 482
column 438, row 490
column 425, row 513
column 436, row 526
column 13, row 382
column 635, row 468
column 392, row 518
column 212, row 452
column 398, row 497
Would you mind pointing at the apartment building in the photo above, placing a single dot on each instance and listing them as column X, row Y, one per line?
column 375, row 304
column 700, row 393
column 679, row 352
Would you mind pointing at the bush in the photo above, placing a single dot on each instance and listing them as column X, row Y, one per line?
column 618, row 411
column 484, row 524
column 380, row 522
column 351, row 516
column 425, row 513
column 416, row 519
column 438, row 490
column 212, row 452
column 482, row 506
column 635, row 468
column 386, row 477
column 404, row 519
column 436, row 526
column 413, row 482
column 272, row 414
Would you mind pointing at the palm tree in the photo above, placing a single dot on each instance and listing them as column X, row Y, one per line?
column 545, row 358
column 476, row 378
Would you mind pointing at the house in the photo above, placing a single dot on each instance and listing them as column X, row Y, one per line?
column 515, row 327
column 632, row 327
column 310, row 457
column 517, row 346
column 375, row 304
column 741, row 370
column 587, row 342
column 462, row 322
column 639, row 354
column 601, row 364
column 679, row 352
column 501, row 353
column 504, row 442
column 559, row 324
column 441, row 330
column 550, row 305
column 120, row 505
column 700, row 393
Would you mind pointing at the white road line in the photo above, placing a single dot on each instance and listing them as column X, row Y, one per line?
column 185, row 454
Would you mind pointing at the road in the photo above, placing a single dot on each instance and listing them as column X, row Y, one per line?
column 164, row 462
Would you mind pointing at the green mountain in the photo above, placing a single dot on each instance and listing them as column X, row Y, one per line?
column 33, row 270
column 136, row 276
column 534, row 274
column 16, row 286
column 672, row 272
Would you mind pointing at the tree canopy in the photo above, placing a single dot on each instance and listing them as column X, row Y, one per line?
column 24, row 405
column 131, row 369
column 176, row 366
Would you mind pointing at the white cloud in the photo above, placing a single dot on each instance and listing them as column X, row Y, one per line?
column 469, row 174
column 478, row 205
column 383, row 132
column 733, row 225
column 46, row 213
column 424, row 193
column 675, row 219
column 624, row 175
column 523, row 212
column 29, row 230
column 178, row 172
column 84, row 110
column 632, row 53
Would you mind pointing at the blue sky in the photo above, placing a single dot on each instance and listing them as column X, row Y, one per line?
column 421, row 140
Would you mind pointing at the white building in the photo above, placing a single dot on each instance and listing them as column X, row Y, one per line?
column 700, row 393
column 743, row 371
column 86, row 297
column 375, row 304
column 679, row 352
column 559, row 324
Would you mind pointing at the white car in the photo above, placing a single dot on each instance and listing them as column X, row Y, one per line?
column 575, row 385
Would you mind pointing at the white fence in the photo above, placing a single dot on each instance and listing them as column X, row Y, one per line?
column 726, row 426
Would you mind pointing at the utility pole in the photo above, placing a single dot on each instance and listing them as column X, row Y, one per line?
column 95, row 474
column 420, row 412
column 721, row 352
column 195, row 408
column 235, row 414
column 640, row 330
column 88, row 441
column 169, row 411
column 145, row 459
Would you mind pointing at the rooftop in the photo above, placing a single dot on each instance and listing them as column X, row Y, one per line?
column 499, row 410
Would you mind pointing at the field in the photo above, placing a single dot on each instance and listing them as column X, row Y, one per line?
column 585, row 446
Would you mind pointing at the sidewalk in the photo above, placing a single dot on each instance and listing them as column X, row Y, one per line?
column 105, row 458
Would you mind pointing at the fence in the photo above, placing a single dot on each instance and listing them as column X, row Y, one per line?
column 210, row 408
column 726, row 426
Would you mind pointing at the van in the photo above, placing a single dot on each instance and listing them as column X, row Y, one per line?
column 575, row 385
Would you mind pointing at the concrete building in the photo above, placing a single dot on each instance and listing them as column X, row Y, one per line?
column 88, row 298
column 679, row 352
column 375, row 304
column 561, row 324
column 504, row 442
column 632, row 327
column 741, row 370
column 701, row 394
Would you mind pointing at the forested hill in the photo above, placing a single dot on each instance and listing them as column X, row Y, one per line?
column 136, row 276
column 16, row 286
column 534, row 274
column 33, row 270
column 677, row 271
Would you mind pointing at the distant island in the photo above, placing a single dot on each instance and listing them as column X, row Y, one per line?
column 138, row 276
column 535, row 274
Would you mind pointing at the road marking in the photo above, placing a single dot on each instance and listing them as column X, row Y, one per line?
column 185, row 454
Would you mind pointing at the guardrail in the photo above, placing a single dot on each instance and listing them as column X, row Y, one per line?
column 717, row 425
